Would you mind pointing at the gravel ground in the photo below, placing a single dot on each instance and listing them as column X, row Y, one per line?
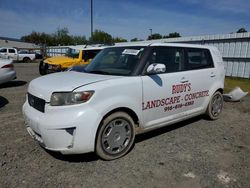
column 193, row 153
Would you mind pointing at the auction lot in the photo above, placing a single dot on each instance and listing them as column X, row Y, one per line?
column 193, row 153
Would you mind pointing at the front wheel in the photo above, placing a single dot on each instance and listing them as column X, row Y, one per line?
column 43, row 68
column 115, row 136
column 215, row 106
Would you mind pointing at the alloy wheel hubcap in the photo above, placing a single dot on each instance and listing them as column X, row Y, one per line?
column 116, row 136
column 217, row 105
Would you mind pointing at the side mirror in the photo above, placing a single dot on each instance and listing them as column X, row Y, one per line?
column 156, row 68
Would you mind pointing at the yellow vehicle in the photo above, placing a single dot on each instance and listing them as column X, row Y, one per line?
column 74, row 56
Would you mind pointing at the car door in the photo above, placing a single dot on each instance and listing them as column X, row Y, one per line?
column 12, row 53
column 4, row 53
column 164, row 94
column 201, row 75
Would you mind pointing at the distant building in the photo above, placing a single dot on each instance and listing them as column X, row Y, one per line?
column 16, row 43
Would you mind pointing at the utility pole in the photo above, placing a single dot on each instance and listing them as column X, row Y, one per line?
column 151, row 30
column 91, row 10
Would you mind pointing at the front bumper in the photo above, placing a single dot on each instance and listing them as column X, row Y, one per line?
column 68, row 129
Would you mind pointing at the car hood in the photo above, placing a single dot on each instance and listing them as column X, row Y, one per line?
column 44, row 86
column 59, row 60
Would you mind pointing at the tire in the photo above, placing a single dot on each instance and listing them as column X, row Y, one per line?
column 215, row 105
column 115, row 136
column 43, row 68
column 26, row 60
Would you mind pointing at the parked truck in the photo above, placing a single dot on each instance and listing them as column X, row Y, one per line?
column 75, row 56
column 12, row 53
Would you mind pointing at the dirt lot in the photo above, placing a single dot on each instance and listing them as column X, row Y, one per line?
column 194, row 153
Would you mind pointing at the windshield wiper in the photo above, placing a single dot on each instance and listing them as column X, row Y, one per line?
column 98, row 72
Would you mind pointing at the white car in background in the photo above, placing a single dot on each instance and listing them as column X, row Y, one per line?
column 7, row 72
column 12, row 53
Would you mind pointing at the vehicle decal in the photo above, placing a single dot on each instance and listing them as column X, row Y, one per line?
column 131, row 52
column 179, row 88
column 176, row 101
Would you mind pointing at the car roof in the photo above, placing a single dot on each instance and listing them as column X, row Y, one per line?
column 182, row 45
column 86, row 47
column 163, row 44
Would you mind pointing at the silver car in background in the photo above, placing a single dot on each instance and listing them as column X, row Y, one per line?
column 7, row 72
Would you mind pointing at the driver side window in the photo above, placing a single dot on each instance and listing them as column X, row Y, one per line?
column 172, row 58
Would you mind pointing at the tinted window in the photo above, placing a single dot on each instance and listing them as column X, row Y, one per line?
column 72, row 53
column 169, row 56
column 90, row 54
column 23, row 52
column 198, row 59
column 4, row 50
column 12, row 51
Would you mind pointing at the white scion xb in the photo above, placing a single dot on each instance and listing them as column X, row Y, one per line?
column 124, row 91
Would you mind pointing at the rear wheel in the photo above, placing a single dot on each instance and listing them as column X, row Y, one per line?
column 215, row 105
column 26, row 60
column 115, row 136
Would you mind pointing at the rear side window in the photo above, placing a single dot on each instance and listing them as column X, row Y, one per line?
column 90, row 54
column 198, row 59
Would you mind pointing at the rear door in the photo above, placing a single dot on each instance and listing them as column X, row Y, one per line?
column 12, row 53
column 201, row 76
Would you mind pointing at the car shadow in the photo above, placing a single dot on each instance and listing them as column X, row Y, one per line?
column 90, row 157
column 3, row 102
column 166, row 129
column 76, row 158
column 15, row 83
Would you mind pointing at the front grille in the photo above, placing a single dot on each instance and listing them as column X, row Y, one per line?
column 35, row 102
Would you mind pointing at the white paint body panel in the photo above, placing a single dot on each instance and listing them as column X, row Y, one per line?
column 113, row 92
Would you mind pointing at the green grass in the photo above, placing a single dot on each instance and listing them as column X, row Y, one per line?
column 231, row 83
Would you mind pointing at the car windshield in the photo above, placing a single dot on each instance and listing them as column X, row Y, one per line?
column 72, row 53
column 120, row 61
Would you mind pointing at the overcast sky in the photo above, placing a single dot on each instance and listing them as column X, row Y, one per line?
column 124, row 18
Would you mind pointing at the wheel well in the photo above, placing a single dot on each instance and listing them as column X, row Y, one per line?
column 220, row 90
column 130, row 112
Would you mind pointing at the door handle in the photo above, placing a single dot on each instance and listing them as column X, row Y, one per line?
column 184, row 80
column 212, row 75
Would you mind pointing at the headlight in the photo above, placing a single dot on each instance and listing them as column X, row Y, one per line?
column 70, row 98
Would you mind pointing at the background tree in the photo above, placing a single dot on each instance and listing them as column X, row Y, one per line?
column 119, row 39
column 155, row 36
column 78, row 40
column 135, row 39
column 100, row 37
column 242, row 30
column 172, row 35
column 62, row 36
